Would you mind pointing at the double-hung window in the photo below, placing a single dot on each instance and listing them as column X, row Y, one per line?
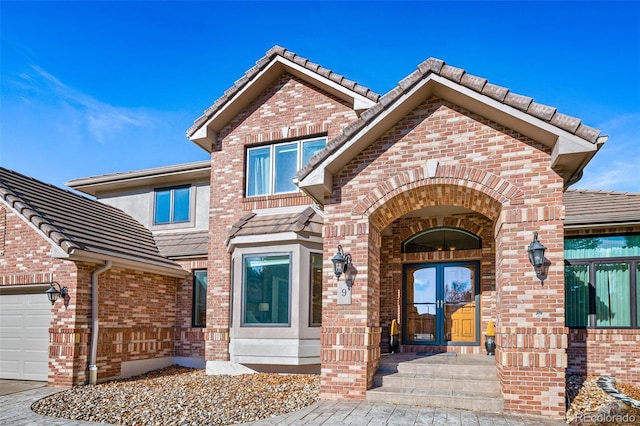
column 602, row 281
column 172, row 205
column 271, row 168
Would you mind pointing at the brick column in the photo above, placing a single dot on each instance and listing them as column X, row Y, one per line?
column 531, row 338
column 350, row 334
column 68, row 355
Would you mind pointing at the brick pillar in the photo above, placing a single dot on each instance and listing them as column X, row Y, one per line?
column 224, row 211
column 350, row 334
column 68, row 355
column 531, row 338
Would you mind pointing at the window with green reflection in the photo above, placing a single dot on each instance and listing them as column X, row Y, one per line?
column 602, row 281
column 613, row 292
column 576, row 294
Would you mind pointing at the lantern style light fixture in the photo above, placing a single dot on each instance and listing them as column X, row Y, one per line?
column 54, row 293
column 342, row 264
column 536, row 256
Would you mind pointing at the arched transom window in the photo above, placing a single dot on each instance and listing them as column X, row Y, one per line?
column 441, row 239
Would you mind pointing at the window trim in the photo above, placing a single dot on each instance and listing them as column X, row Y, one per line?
column 272, row 163
column 244, row 324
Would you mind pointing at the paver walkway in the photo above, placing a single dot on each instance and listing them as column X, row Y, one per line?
column 15, row 409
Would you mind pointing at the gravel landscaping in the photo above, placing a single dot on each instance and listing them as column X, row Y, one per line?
column 591, row 405
column 183, row 396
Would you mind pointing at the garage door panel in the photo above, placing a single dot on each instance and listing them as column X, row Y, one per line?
column 24, row 336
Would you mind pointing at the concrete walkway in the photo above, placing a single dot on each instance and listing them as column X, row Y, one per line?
column 15, row 409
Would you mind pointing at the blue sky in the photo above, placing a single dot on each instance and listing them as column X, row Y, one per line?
column 89, row 88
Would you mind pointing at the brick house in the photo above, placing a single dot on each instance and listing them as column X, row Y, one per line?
column 434, row 189
column 50, row 235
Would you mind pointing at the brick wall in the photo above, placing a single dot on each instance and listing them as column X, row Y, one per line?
column 26, row 260
column 489, row 170
column 288, row 103
column 605, row 352
column 189, row 340
column 136, row 309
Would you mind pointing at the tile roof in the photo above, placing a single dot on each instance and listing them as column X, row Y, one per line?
column 480, row 85
column 75, row 223
column 308, row 221
column 183, row 244
column 585, row 207
column 261, row 64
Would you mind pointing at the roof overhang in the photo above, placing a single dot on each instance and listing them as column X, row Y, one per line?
column 205, row 136
column 170, row 175
column 570, row 153
column 150, row 266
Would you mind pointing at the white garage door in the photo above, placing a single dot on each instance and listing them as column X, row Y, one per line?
column 24, row 335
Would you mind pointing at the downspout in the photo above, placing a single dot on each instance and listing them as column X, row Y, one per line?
column 93, row 368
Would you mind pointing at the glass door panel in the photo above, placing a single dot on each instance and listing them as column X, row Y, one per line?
column 459, row 303
column 421, row 304
column 440, row 303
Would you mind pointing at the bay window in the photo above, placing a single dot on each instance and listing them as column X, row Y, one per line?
column 266, row 289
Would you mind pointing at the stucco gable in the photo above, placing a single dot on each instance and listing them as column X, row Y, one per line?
column 276, row 61
column 572, row 143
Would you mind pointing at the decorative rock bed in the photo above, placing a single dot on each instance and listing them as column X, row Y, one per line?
column 600, row 401
column 182, row 396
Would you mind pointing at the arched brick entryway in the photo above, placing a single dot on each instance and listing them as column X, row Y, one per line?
column 532, row 338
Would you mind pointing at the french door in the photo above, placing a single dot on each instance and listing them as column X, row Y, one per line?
column 441, row 303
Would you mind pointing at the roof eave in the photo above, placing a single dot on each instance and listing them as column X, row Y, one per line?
column 129, row 262
column 155, row 176
column 573, row 152
column 205, row 135
column 603, row 224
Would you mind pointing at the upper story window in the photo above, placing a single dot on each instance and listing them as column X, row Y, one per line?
column 271, row 168
column 172, row 205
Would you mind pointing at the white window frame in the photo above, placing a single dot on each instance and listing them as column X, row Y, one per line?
column 272, row 164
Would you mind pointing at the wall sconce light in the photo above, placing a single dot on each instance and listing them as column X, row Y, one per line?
column 342, row 264
column 54, row 293
column 536, row 256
